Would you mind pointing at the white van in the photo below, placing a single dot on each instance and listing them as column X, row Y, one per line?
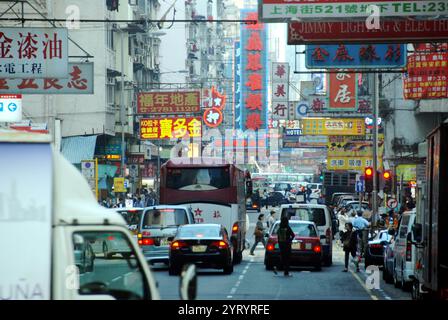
column 404, row 252
column 320, row 215
column 52, row 230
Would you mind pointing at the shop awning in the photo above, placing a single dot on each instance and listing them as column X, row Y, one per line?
column 76, row 149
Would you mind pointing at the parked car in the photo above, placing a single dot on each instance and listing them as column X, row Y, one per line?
column 282, row 187
column 158, row 227
column 404, row 252
column 388, row 259
column 321, row 216
column 306, row 249
column 375, row 249
column 206, row 245
column 84, row 255
column 274, row 199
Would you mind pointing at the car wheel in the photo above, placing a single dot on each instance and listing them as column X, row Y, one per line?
column 415, row 294
column 173, row 271
column 387, row 276
column 237, row 257
column 228, row 269
column 396, row 282
column 405, row 285
column 106, row 252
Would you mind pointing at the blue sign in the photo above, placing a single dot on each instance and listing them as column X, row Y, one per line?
column 360, row 186
column 237, row 85
column 12, row 107
column 356, row 56
column 302, row 109
column 293, row 132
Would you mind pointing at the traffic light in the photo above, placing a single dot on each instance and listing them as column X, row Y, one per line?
column 387, row 178
column 368, row 179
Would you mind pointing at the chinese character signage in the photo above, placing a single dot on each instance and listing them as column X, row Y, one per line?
column 168, row 128
column 80, row 81
column 280, row 90
column 237, row 86
column 10, row 107
column 342, row 126
column 343, row 91
column 352, row 163
column 168, row 102
column 33, row 53
column 355, row 56
column 281, row 10
column 398, row 31
column 353, row 146
column 427, row 76
column 253, row 73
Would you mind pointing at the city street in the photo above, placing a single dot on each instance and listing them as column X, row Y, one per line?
column 251, row 281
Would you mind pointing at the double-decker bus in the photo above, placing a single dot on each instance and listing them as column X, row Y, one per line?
column 216, row 192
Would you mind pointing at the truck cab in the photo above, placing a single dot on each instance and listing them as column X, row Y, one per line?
column 53, row 231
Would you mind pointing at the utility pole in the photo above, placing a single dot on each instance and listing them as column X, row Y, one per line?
column 375, row 148
column 122, row 105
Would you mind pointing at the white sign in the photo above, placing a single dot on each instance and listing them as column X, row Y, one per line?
column 79, row 81
column 10, row 107
column 280, row 90
column 33, row 53
column 392, row 203
column 88, row 170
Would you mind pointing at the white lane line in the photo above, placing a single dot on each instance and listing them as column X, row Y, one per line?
column 229, row 297
column 372, row 296
column 238, row 284
column 244, row 271
column 233, row 291
column 241, row 277
column 116, row 279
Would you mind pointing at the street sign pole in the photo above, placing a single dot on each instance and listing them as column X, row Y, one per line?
column 375, row 149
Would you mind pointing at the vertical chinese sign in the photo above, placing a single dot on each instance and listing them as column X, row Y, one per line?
column 237, row 111
column 253, row 73
column 343, row 91
column 280, row 90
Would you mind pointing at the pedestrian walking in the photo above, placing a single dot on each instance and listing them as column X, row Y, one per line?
column 121, row 203
column 350, row 244
column 285, row 235
column 265, row 197
column 271, row 219
column 308, row 193
column 362, row 229
column 259, row 234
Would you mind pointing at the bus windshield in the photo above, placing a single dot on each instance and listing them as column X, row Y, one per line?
column 198, row 179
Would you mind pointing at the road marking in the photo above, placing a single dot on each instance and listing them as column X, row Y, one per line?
column 244, row 271
column 116, row 279
column 372, row 296
column 233, row 291
column 229, row 297
column 238, row 284
column 241, row 277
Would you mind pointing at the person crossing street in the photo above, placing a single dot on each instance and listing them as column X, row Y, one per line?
column 259, row 234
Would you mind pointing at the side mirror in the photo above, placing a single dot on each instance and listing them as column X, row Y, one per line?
column 188, row 283
column 417, row 232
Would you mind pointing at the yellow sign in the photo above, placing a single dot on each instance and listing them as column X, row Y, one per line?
column 119, row 185
column 113, row 157
column 353, row 146
column 352, row 163
column 333, row 126
column 408, row 171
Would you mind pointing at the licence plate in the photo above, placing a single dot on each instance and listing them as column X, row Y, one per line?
column 164, row 242
column 308, row 246
column 297, row 246
column 198, row 248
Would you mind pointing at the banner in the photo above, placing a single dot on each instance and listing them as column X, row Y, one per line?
column 354, row 146
column 352, row 163
column 397, row 31
column 80, row 81
column 280, row 90
column 427, row 76
column 343, row 91
column 305, row 142
column 319, row 126
column 355, row 56
column 169, row 102
column 168, row 128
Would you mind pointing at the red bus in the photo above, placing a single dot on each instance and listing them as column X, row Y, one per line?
column 216, row 192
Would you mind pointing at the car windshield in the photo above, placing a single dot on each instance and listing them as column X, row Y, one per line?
column 131, row 216
column 316, row 215
column 156, row 218
column 198, row 179
column 299, row 229
column 198, row 232
column 355, row 206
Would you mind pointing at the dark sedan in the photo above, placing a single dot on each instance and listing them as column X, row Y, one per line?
column 375, row 249
column 306, row 249
column 206, row 245
column 274, row 199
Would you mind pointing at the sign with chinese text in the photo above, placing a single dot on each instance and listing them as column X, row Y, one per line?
column 406, row 171
column 169, row 102
column 351, row 163
column 305, row 142
column 33, row 53
column 80, row 81
column 119, row 185
column 280, row 90
column 211, row 98
column 10, row 107
column 399, row 31
column 346, row 127
column 357, row 56
column 427, row 76
column 253, row 73
column 136, row 159
column 168, row 128
column 213, row 117
column 281, row 10
column 354, row 146
column 343, row 91
column 237, row 86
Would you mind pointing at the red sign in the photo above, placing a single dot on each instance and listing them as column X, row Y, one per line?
column 427, row 76
column 343, row 91
column 168, row 102
column 213, row 117
column 403, row 31
column 168, row 128
column 136, row 159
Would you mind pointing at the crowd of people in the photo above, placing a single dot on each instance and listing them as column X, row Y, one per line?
column 141, row 199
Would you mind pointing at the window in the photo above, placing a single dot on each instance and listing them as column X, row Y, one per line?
column 199, row 232
column 315, row 215
column 404, row 227
column 132, row 216
column 164, row 217
column 198, row 179
column 108, row 265
column 299, row 229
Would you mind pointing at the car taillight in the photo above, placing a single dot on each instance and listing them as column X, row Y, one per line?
column 270, row 247
column 317, row 249
column 147, row 241
column 328, row 235
column 235, row 228
column 408, row 251
column 219, row 244
column 140, row 242
column 178, row 244
column 111, row 238
column 254, row 206
column 376, row 246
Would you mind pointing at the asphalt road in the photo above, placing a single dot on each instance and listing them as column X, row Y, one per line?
column 250, row 280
